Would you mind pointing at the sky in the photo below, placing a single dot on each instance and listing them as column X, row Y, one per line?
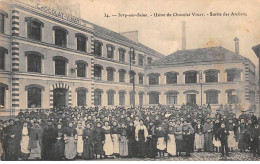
column 164, row 34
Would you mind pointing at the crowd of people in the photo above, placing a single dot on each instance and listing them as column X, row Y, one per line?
column 67, row 133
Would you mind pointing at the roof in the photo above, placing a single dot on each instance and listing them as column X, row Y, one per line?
column 116, row 35
column 211, row 54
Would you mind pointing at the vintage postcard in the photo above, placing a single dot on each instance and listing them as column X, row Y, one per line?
column 129, row 80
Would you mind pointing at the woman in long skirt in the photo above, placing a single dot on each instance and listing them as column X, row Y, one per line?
column 115, row 139
column 108, row 145
column 59, row 146
column 141, row 135
column 171, row 145
column 199, row 136
column 161, row 144
column 25, row 152
column 88, row 137
column 99, row 140
column 216, row 141
column 123, row 144
column 231, row 138
column 242, row 145
column 35, row 142
column 79, row 135
column 151, row 150
column 70, row 142
column 131, row 140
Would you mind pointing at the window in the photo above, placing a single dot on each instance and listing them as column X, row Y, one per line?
column 122, row 98
column 81, row 69
column 121, row 75
column 97, row 48
column 190, row 77
column 171, row 78
column 34, row 63
column 171, row 98
column 98, row 72
column 110, row 97
column 81, row 97
column 34, row 97
column 232, row 97
column 2, row 95
column 141, row 79
column 2, row 58
column 110, row 51
column 153, row 79
column 110, row 74
column 132, row 77
column 141, row 98
column 149, row 60
column 81, row 43
column 121, row 55
column 233, row 75
column 154, row 98
column 97, row 97
column 132, row 98
column 61, row 37
column 2, row 23
column 140, row 60
column 212, row 97
column 60, row 65
column 34, row 30
column 211, row 76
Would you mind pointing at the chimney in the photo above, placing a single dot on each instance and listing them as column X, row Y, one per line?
column 236, row 46
column 183, row 35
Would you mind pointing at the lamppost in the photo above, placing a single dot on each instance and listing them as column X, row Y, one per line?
column 256, row 49
column 132, row 60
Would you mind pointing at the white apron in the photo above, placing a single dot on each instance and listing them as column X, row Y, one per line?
column 80, row 145
column 25, row 141
column 161, row 145
column 171, row 145
column 108, row 145
column 231, row 140
column 115, row 143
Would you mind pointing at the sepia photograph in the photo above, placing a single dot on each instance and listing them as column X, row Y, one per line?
column 129, row 80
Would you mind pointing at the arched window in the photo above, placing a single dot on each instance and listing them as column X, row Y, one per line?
column 60, row 36
column 233, row 74
column 171, row 77
column 97, row 48
column 81, row 96
column 34, row 28
column 121, row 54
column 190, row 76
column 3, row 88
column 60, row 65
column 3, row 14
column 34, row 61
column 172, row 97
column 153, row 97
column 149, row 60
column 110, row 51
column 211, row 75
column 140, row 60
column 141, row 98
column 141, row 78
column 81, row 68
column 121, row 75
column 97, row 97
column 153, row 78
column 212, row 96
column 110, row 74
column 122, row 97
column 110, row 97
column 34, row 95
column 3, row 51
column 233, row 96
column 132, row 76
column 81, row 42
column 98, row 72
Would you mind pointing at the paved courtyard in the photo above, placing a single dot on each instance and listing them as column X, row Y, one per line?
column 202, row 156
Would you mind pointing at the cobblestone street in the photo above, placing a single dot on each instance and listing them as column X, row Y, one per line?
column 202, row 156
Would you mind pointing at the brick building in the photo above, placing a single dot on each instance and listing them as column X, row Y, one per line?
column 53, row 58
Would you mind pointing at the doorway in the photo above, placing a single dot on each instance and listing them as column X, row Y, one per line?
column 59, row 97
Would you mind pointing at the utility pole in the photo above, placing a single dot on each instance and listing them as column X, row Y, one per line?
column 200, row 80
column 132, row 75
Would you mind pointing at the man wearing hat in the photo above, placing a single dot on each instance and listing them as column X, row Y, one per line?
column 255, row 137
column 208, row 131
column 48, row 141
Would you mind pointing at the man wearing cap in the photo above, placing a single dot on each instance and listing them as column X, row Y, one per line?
column 208, row 133
column 222, row 135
